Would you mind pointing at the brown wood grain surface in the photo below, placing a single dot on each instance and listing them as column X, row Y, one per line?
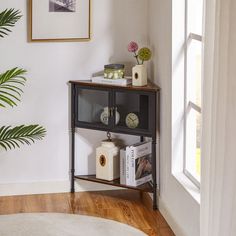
column 150, row 87
column 126, row 206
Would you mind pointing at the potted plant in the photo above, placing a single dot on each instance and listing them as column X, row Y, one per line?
column 11, row 83
column 139, row 72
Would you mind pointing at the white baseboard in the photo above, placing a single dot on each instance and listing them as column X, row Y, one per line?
column 177, row 229
column 13, row 189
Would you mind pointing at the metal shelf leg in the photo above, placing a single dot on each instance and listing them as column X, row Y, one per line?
column 72, row 161
column 154, row 174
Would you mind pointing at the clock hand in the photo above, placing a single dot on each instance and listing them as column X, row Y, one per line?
column 131, row 119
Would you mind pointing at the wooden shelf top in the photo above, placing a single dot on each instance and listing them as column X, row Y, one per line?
column 92, row 178
column 150, row 87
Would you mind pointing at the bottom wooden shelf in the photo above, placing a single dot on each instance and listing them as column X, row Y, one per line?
column 147, row 187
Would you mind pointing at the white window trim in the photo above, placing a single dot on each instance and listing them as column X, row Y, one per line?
column 195, row 37
column 178, row 102
column 192, row 178
column 188, row 105
column 198, row 109
column 188, row 186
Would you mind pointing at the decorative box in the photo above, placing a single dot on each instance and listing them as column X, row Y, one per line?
column 114, row 71
column 107, row 161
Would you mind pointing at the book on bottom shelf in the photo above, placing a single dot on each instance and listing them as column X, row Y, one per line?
column 136, row 164
column 123, row 166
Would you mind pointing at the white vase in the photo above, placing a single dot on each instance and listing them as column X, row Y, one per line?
column 139, row 75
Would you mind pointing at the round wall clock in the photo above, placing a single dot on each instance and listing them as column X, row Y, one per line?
column 132, row 120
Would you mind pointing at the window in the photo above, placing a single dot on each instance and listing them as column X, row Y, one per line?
column 193, row 88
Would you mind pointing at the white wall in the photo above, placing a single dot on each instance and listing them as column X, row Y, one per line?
column 176, row 204
column 46, row 95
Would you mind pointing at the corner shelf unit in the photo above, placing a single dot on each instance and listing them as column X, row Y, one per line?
column 87, row 103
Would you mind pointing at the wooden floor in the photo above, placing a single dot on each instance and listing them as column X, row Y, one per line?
column 123, row 206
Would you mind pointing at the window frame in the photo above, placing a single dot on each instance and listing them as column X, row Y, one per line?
column 188, row 104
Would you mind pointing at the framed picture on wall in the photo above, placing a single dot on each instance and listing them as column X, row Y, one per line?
column 59, row 20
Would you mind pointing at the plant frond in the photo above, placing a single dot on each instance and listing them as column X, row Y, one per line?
column 8, row 19
column 14, row 137
column 10, row 86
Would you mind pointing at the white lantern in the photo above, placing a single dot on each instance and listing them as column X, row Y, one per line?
column 107, row 161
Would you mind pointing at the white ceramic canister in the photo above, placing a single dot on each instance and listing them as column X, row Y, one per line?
column 139, row 75
column 107, row 161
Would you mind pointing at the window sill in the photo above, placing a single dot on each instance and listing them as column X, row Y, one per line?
column 191, row 188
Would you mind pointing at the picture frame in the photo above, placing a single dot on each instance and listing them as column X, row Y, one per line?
column 59, row 20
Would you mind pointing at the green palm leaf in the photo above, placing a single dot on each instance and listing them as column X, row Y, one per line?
column 14, row 137
column 8, row 19
column 10, row 83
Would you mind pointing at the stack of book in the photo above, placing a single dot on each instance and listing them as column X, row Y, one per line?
column 120, row 81
column 136, row 164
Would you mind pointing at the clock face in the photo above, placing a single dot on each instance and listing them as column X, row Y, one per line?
column 132, row 120
column 104, row 117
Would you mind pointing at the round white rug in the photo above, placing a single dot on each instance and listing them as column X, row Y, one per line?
column 51, row 224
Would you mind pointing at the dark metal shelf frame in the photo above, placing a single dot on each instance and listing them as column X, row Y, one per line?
column 153, row 93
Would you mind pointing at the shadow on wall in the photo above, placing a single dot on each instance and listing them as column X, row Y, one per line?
column 127, row 26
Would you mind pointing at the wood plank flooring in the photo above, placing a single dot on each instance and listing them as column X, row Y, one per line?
column 125, row 206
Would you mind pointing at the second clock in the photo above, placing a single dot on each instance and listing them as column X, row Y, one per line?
column 132, row 120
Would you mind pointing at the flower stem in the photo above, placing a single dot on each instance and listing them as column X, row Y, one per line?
column 136, row 56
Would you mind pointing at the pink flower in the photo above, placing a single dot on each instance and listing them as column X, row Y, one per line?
column 133, row 47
